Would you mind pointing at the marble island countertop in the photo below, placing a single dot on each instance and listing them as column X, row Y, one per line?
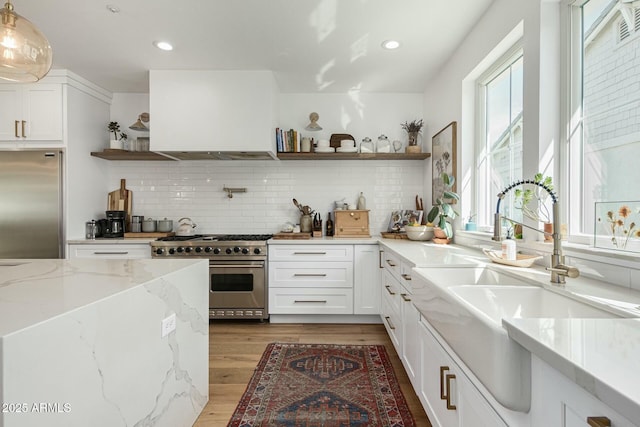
column 34, row 291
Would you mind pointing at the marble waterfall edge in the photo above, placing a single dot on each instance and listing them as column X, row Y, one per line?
column 106, row 363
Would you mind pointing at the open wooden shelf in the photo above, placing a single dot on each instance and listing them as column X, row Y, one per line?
column 353, row 156
column 110, row 154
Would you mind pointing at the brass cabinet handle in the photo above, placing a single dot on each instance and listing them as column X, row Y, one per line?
column 380, row 259
column 23, row 133
column 309, row 253
column 110, row 253
column 321, row 301
column 390, row 263
column 16, row 129
column 309, row 275
column 387, row 318
column 443, row 369
column 599, row 421
column 450, row 377
column 406, row 276
column 405, row 297
column 388, row 288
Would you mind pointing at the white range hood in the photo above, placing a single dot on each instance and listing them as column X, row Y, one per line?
column 213, row 115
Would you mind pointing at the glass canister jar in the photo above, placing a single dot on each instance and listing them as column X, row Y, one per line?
column 367, row 146
column 383, row 146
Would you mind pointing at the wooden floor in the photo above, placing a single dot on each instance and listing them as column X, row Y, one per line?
column 236, row 348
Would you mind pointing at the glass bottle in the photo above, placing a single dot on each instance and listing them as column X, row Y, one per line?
column 329, row 225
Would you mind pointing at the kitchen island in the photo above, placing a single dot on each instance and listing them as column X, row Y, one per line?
column 103, row 342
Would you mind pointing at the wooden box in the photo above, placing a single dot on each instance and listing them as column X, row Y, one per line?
column 351, row 223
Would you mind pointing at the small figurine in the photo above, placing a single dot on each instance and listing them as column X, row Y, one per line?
column 313, row 125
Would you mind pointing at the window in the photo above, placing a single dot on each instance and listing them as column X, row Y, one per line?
column 499, row 150
column 604, row 139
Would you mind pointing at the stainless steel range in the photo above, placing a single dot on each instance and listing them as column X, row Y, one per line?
column 237, row 270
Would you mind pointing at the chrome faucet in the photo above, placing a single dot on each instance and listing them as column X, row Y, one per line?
column 559, row 270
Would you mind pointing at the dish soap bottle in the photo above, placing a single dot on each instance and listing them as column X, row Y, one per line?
column 362, row 202
column 329, row 226
column 509, row 250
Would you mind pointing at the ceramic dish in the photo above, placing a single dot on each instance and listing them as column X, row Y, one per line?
column 325, row 150
column 346, row 150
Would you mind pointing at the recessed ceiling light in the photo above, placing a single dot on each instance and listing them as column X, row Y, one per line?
column 390, row 44
column 113, row 8
column 163, row 45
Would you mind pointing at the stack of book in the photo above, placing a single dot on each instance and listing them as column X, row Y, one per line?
column 288, row 141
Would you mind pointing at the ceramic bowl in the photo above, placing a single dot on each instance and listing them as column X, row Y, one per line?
column 419, row 232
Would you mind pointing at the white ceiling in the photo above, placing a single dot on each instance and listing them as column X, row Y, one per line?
column 321, row 45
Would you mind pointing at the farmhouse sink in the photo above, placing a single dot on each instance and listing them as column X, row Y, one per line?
column 466, row 307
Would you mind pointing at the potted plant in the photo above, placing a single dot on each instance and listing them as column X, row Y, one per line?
column 413, row 129
column 443, row 211
column 541, row 212
column 117, row 142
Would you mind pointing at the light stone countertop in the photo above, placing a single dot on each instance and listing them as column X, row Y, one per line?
column 326, row 241
column 113, row 241
column 600, row 355
column 36, row 290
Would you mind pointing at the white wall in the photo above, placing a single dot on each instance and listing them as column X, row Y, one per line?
column 194, row 188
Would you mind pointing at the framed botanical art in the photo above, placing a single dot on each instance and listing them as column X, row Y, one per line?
column 443, row 157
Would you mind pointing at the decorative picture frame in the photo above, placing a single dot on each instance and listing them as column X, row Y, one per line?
column 443, row 159
column 400, row 218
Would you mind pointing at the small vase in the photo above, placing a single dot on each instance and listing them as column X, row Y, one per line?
column 413, row 138
column 116, row 144
column 548, row 228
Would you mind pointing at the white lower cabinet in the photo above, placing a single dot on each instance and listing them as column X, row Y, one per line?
column 558, row 401
column 447, row 394
column 110, row 251
column 324, row 279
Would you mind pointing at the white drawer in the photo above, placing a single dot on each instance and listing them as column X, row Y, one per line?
column 310, row 301
column 307, row 274
column 136, row 251
column 391, row 291
column 312, row 253
column 391, row 262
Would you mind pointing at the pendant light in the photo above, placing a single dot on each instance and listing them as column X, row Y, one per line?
column 25, row 53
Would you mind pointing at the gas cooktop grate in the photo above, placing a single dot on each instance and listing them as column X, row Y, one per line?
column 219, row 238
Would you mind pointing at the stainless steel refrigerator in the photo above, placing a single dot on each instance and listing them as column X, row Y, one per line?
column 31, row 204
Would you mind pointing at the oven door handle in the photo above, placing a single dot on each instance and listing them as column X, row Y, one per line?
column 236, row 265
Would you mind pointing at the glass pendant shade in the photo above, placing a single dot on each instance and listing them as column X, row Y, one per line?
column 25, row 53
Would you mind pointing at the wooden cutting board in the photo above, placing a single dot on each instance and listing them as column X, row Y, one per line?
column 121, row 200
column 292, row 236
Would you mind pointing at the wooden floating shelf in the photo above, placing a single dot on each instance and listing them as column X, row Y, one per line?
column 110, row 154
column 353, row 156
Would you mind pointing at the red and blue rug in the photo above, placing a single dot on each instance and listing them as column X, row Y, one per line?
column 314, row 385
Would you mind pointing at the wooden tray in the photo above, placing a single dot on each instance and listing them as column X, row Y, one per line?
column 292, row 236
column 148, row 235
column 521, row 260
column 398, row 236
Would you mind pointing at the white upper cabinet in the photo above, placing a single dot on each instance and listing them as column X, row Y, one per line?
column 31, row 112
column 202, row 111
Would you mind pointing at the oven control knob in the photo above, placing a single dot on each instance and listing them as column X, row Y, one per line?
column 228, row 251
column 245, row 250
column 257, row 251
column 215, row 251
column 187, row 250
column 236, row 249
column 180, row 249
column 198, row 249
column 172, row 251
column 159, row 251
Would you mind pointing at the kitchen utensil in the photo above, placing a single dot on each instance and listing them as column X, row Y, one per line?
column 186, row 227
column 121, row 200
column 165, row 225
column 136, row 227
column 149, row 225
column 297, row 205
column 91, row 229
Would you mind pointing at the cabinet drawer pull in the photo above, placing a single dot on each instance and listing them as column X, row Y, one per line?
column 387, row 318
column 599, row 421
column 388, row 288
column 320, row 301
column 16, row 129
column 309, row 253
column 309, row 275
column 406, row 276
column 23, row 133
column 405, row 297
column 111, row 253
column 443, row 369
column 380, row 259
column 450, row 377
column 390, row 263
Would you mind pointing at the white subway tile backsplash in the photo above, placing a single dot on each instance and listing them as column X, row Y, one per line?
column 194, row 189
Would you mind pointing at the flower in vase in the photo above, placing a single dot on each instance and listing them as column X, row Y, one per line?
column 619, row 229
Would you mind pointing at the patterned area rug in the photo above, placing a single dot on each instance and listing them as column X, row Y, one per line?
column 312, row 385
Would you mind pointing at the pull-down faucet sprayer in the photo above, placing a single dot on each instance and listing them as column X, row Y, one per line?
column 558, row 268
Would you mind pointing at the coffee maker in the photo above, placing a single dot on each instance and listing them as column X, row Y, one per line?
column 114, row 224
